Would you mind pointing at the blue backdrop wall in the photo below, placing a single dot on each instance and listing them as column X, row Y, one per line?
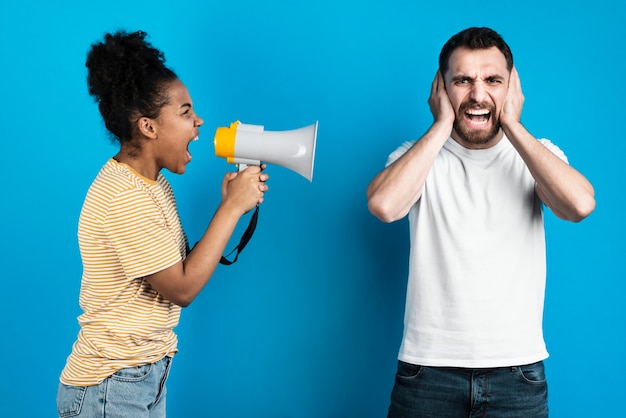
column 308, row 323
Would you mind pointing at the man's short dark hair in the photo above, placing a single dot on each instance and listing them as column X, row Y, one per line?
column 474, row 38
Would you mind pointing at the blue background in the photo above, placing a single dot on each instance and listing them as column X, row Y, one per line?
column 308, row 322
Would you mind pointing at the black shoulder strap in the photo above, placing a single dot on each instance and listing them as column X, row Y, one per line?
column 244, row 238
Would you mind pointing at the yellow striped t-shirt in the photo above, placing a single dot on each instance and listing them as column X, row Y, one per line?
column 129, row 228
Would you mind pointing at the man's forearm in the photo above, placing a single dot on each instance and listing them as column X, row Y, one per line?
column 561, row 187
column 395, row 189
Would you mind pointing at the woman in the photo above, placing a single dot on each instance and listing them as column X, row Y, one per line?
column 137, row 268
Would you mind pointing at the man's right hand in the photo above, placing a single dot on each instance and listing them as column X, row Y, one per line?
column 439, row 102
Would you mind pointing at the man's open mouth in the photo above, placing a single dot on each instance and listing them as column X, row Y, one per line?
column 478, row 115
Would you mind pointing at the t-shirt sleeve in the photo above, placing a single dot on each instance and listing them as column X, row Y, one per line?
column 399, row 152
column 554, row 149
column 139, row 234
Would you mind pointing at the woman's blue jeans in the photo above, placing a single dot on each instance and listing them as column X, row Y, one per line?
column 134, row 392
column 445, row 392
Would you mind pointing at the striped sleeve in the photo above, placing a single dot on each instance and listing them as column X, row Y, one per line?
column 138, row 230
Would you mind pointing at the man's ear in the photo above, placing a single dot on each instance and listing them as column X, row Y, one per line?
column 147, row 127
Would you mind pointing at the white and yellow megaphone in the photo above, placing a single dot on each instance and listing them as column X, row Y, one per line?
column 252, row 145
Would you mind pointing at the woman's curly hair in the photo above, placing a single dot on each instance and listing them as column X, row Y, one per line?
column 127, row 78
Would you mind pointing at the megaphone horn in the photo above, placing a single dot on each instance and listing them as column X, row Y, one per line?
column 251, row 144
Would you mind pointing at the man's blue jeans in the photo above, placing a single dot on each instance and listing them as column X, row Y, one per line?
column 446, row 392
column 134, row 392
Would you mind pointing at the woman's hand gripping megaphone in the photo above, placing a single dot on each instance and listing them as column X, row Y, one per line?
column 242, row 191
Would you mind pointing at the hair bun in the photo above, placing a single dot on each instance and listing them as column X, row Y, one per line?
column 125, row 75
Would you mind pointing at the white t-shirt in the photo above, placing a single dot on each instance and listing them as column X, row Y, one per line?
column 477, row 267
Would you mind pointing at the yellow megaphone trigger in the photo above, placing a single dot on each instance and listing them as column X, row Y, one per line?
column 224, row 141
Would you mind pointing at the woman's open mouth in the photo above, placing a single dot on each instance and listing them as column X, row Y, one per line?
column 189, row 153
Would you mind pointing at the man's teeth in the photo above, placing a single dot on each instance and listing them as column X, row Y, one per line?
column 478, row 112
column 478, row 115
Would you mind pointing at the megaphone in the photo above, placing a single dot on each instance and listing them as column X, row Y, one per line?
column 252, row 145
column 245, row 144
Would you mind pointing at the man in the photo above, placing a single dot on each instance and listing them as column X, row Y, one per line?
column 474, row 186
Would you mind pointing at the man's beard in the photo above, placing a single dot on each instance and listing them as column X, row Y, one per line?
column 472, row 136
